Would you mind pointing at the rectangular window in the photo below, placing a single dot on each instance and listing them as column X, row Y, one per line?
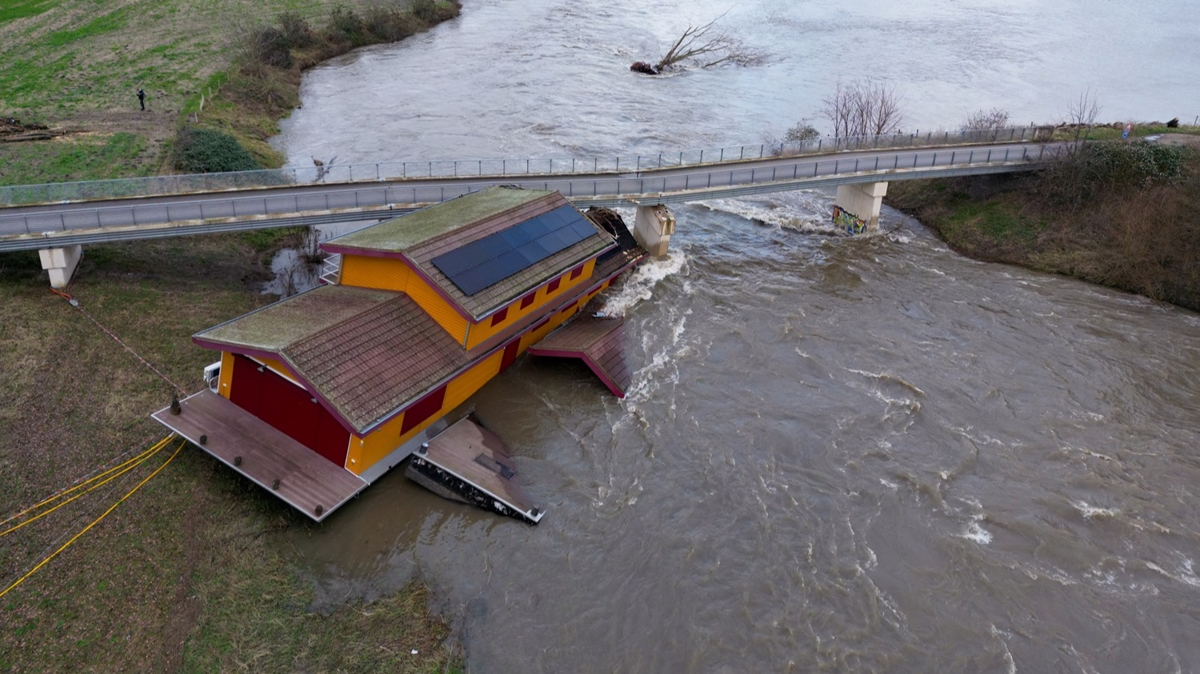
column 423, row 409
column 527, row 301
column 576, row 272
column 499, row 316
column 553, row 285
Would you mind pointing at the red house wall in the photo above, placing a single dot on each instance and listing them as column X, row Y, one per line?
column 288, row 408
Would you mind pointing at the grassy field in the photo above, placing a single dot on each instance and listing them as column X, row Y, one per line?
column 187, row 575
column 1143, row 237
column 79, row 63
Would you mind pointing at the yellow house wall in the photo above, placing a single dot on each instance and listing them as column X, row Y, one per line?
column 484, row 330
column 386, row 273
column 225, row 379
column 369, row 450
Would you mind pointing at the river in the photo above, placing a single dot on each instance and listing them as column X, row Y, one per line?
column 838, row 454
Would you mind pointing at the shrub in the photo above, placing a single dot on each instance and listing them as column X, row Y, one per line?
column 390, row 25
column 345, row 25
column 1093, row 168
column 296, row 30
column 801, row 132
column 268, row 46
column 209, row 151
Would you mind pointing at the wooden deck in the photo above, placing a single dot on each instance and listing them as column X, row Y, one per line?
column 600, row 342
column 476, row 456
column 289, row 470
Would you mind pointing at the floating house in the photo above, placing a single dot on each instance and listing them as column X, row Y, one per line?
column 319, row 395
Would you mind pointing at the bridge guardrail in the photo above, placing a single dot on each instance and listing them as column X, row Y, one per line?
column 19, row 195
column 380, row 198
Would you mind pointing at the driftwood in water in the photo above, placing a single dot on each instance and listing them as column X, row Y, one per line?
column 643, row 68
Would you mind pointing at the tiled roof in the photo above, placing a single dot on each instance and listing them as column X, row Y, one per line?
column 400, row 234
column 375, row 362
column 495, row 296
column 276, row 325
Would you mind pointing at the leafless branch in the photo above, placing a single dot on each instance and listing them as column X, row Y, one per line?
column 864, row 108
column 710, row 45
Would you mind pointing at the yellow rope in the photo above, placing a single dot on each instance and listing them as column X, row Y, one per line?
column 94, row 523
column 64, row 492
column 80, row 494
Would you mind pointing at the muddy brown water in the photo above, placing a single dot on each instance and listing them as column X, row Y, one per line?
column 838, row 454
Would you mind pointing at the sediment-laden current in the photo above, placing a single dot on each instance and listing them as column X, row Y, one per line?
column 838, row 454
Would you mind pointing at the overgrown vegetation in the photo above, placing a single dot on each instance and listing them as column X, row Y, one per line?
column 210, row 151
column 1125, row 215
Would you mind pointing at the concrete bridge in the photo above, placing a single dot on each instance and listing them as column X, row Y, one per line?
column 183, row 205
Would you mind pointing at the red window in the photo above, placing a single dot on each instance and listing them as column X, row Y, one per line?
column 423, row 409
column 553, row 285
column 527, row 301
column 568, row 308
column 499, row 316
column 576, row 272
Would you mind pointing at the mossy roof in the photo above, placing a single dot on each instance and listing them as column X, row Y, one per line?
column 277, row 325
column 400, row 234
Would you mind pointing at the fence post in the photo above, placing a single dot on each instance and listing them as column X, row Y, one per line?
column 934, row 162
column 952, row 155
column 877, row 163
column 836, row 163
column 1041, row 152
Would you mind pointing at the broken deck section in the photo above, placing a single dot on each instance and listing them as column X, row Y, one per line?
column 600, row 342
column 301, row 477
column 469, row 464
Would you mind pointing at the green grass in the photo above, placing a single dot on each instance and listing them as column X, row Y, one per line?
column 19, row 9
column 117, row 156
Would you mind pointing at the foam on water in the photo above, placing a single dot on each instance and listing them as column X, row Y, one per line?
column 639, row 285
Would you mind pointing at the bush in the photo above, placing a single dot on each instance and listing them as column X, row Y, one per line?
column 268, row 46
column 801, row 132
column 296, row 30
column 390, row 25
column 345, row 25
column 1090, row 169
column 209, row 151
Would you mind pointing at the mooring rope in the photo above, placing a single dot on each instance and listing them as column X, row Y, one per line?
column 75, row 303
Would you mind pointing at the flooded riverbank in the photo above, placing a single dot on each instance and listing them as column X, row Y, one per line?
column 844, row 454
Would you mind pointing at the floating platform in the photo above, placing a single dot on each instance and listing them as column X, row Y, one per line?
column 469, row 464
column 302, row 478
column 599, row 342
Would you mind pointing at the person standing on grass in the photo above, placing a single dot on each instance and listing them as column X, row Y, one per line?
column 142, row 97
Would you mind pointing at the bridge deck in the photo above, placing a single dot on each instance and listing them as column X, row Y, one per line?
column 63, row 224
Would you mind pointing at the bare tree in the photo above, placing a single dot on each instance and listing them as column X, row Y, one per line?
column 709, row 45
column 1083, row 111
column 864, row 108
column 986, row 124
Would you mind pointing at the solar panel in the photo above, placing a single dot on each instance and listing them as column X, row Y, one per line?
column 495, row 257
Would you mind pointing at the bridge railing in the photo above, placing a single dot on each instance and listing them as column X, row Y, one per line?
column 485, row 168
column 249, row 210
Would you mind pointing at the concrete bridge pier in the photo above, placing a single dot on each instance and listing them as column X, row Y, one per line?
column 857, row 206
column 653, row 227
column 61, row 263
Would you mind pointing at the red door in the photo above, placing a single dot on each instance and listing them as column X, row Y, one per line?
column 289, row 409
column 510, row 354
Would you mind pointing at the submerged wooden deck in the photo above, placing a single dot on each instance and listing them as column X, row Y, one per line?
column 600, row 342
column 289, row 470
column 468, row 452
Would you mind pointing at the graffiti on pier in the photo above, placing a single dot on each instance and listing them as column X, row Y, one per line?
column 848, row 221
